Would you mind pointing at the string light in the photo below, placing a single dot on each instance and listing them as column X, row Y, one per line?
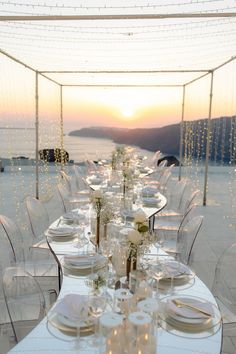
column 143, row 6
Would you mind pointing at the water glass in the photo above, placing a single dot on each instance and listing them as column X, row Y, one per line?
column 96, row 307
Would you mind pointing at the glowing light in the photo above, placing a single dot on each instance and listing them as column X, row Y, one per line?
column 127, row 112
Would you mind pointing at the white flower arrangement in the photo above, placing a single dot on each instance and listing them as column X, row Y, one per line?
column 98, row 201
column 140, row 221
column 138, row 236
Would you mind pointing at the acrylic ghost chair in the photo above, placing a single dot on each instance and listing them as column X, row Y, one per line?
column 39, row 223
column 67, row 180
column 224, row 290
column 175, row 194
column 24, row 299
column 183, row 206
column 38, row 218
column 70, row 201
column 39, row 262
column 7, row 259
column 80, row 181
column 171, row 226
column 182, row 247
column 81, row 187
column 7, row 340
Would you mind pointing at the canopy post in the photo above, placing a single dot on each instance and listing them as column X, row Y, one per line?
column 62, row 129
column 208, row 142
column 36, row 135
column 181, row 135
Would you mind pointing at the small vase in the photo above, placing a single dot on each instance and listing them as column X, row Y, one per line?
column 98, row 231
column 131, row 264
column 128, row 268
column 105, row 231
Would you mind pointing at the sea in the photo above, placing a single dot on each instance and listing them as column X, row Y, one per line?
column 21, row 142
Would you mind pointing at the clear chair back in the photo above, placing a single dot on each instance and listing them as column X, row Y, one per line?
column 14, row 236
column 224, row 284
column 24, row 299
column 38, row 217
column 186, row 238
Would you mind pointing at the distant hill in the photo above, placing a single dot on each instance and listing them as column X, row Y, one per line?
column 167, row 138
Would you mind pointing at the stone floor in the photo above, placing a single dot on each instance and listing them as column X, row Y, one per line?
column 218, row 232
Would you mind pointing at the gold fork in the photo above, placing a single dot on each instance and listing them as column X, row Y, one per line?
column 179, row 303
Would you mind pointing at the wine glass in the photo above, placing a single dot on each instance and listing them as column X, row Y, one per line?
column 82, row 319
column 96, row 307
column 159, row 239
column 82, row 222
column 156, row 272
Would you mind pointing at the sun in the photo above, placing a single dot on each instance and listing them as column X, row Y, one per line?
column 127, row 113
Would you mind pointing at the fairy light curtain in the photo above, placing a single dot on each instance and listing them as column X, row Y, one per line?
column 17, row 136
column 195, row 129
column 49, row 135
column 224, row 135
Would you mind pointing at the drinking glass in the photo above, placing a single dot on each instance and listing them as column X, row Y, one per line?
column 96, row 306
column 155, row 272
column 81, row 342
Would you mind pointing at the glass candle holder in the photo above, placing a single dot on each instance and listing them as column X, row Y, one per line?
column 111, row 333
column 150, row 306
column 122, row 301
column 139, row 334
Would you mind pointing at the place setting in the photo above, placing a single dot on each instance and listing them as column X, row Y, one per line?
column 61, row 233
column 177, row 276
column 83, row 264
column 69, row 313
column 189, row 316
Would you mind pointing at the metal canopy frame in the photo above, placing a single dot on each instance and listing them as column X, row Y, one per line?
column 44, row 73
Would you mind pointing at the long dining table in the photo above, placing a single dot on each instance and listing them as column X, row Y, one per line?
column 46, row 338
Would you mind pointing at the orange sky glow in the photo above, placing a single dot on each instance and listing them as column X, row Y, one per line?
column 114, row 107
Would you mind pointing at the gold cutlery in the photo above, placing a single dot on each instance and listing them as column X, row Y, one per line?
column 180, row 303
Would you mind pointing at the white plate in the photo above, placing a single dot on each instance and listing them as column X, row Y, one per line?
column 84, row 262
column 60, row 233
column 78, row 269
column 151, row 201
column 64, row 320
column 185, row 315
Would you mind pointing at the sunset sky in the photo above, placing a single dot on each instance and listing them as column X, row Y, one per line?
column 160, row 44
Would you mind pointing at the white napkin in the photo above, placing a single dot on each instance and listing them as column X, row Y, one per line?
column 174, row 269
column 144, row 169
column 68, row 216
column 187, row 312
column 149, row 191
column 151, row 201
column 82, row 260
column 95, row 179
column 61, row 230
column 72, row 306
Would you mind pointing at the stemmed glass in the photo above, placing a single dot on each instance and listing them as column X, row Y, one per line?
column 96, row 306
column 82, row 222
column 159, row 239
column 83, row 318
column 156, row 272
